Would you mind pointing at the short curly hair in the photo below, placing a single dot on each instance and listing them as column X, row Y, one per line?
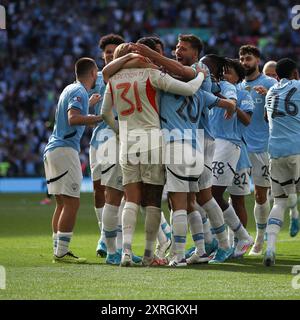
column 110, row 39
column 249, row 49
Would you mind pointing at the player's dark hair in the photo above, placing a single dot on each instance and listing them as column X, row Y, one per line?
column 158, row 41
column 249, row 49
column 149, row 42
column 196, row 43
column 219, row 64
column 110, row 39
column 285, row 68
column 83, row 66
column 238, row 68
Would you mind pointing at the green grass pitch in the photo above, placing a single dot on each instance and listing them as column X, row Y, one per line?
column 26, row 254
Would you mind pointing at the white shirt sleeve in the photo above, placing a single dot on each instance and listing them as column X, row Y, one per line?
column 106, row 109
column 166, row 83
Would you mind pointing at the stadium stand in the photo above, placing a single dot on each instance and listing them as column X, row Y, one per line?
column 45, row 38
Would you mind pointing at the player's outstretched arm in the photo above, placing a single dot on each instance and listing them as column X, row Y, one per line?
column 106, row 109
column 173, row 67
column 77, row 119
column 169, row 84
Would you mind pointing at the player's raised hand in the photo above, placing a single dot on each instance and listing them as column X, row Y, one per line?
column 261, row 90
column 95, row 98
column 143, row 50
column 133, row 55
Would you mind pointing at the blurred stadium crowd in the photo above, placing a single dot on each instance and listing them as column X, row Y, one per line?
column 44, row 38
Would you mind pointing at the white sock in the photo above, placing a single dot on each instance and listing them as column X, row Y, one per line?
column 99, row 212
column 110, row 226
column 292, row 204
column 54, row 238
column 234, row 223
column 179, row 227
column 261, row 213
column 208, row 238
column 119, row 234
column 294, row 213
column 63, row 242
column 128, row 224
column 215, row 215
column 152, row 224
column 165, row 226
column 275, row 221
column 161, row 237
column 230, row 237
column 196, row 228
column 172, row 247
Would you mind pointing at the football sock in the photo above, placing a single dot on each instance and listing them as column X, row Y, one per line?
column 119, row 234
column 292, row 204
column 128, row 224
column 261, row 213
column 110, row 226
column 179, row 228
column 63, row 242
column 206, row 224
column 275, row 221
column 234, row 223
column 152, row 224
column 54, row 238
column 215, row 215
column 165, row 226
column 196, row 228
column 99, row 218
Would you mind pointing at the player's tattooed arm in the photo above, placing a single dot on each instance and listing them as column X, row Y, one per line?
column 77, row 119
column 113, row 67
column 173, row 67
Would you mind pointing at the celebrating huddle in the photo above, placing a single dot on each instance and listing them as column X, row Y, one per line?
column 194, row 127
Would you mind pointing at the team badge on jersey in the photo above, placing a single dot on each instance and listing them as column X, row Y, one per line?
column 77, row 99
column 75, row 187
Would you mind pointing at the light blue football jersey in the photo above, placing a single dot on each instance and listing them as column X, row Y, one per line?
column 207, row 83
column 283, row 109
column 245, row 103
column 73, row 96
column 206, row 86
column 182, row 113
column 102, row 131
column 257, row 133
column 225, row 128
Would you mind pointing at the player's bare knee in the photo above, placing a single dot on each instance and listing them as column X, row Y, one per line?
column 260, row 198
column 178, row 200
column 203, row 196
column 113, row 196
column 59, row 202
